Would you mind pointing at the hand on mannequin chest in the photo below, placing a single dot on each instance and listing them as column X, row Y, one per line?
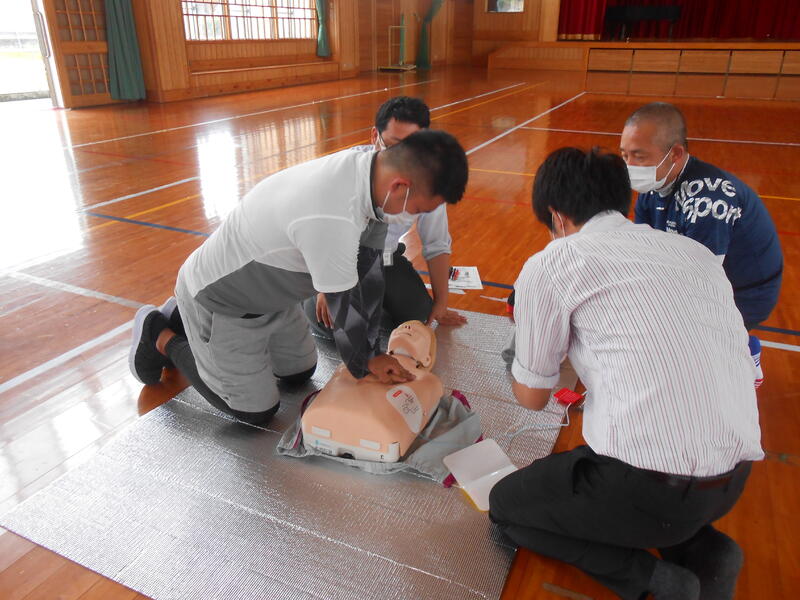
column 372, row 420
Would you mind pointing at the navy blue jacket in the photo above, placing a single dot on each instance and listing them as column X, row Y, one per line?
column 721, row 212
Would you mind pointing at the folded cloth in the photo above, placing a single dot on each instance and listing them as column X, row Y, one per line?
column 453, row 426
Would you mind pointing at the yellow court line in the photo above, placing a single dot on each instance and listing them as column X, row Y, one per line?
column 144, row 212
column 527, row 87
column 781, row 198
column 361, row 142
column 533, row 174
column 502, row 172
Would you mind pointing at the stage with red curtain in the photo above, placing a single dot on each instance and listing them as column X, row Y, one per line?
column 758, row 20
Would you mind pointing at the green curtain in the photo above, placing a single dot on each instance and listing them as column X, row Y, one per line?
column 126, row 81
column 424, row 52
column 323, row 47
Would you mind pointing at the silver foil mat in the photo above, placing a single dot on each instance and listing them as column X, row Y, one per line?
column 187, row 503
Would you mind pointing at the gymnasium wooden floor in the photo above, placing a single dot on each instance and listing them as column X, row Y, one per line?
column 102, row 206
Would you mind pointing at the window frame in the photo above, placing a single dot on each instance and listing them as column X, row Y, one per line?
column 197, row 24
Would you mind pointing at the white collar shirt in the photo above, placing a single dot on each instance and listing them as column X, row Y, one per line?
column 649, row 323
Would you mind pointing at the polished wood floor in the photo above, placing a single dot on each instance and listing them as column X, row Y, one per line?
column 102, row 205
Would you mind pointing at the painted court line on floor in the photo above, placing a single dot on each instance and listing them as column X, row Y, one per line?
column 168, row 185
column 691, row 139
column 74, row 289
column 63, row 358
column 483, row 95
column 252, row 114
column 523, row 124
column 60, row 360
column 137, row 194
column 132, row 158
column 790, row 347
column 148, row 224
column 527, row 87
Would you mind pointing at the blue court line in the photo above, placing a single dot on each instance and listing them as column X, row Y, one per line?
column 778, row 330
column 146, row 224
column 505, row 286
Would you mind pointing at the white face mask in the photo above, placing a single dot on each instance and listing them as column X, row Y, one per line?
column 553, row 229
column 643, row 179
column 401, row 218
column 381, row 143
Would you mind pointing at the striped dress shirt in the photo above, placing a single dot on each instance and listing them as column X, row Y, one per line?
column 649, row 323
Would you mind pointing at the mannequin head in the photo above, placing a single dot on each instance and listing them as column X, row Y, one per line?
column 416, row 340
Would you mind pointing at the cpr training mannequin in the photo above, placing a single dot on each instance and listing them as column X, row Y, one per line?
column 370, row 420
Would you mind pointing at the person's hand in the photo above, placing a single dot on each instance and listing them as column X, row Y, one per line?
column 440, row 313
column 388, row 369
column 323, row 314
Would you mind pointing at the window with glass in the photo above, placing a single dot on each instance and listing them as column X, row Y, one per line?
column 249, row 19
column 505, row 6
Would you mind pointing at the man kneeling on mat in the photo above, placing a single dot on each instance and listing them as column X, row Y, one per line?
column 371, row 420
column 294, row 234
column 649, row 322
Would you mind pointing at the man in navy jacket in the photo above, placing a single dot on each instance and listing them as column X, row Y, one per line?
column 681, row 194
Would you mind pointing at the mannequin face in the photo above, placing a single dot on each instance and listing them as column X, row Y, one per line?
column 416, row 340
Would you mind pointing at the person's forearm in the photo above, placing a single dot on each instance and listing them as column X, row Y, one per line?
column 439, row 270
column 532, row 398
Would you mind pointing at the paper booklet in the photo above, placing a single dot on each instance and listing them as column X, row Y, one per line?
column 465, row 278
column 477, row 468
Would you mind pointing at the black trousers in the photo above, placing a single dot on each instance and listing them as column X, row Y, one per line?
column 405, row 297
column 601, row 514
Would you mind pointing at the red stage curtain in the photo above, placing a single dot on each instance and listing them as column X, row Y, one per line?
column 705, row 19
column 581, row 19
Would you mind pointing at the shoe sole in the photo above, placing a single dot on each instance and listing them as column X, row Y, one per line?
column 138, row 326
column 168, row 307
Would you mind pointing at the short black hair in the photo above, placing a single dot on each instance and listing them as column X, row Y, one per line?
column 669, row 120
column 434, row 158
column 404, row 109
column 580, row 184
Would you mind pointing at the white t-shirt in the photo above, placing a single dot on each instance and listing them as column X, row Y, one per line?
column 432, row 227
column 294, row 233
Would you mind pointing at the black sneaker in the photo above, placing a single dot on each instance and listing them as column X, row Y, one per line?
column 170, row 311
column 144, row 360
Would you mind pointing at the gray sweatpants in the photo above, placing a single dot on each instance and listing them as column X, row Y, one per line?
column 238, row 358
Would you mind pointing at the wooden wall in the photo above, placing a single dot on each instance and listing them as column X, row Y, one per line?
column 176, row 69
column 344, row 35
column 538, row 22
column 374, row 19
column 165, row 64
column 733, row 70
column 451, row 33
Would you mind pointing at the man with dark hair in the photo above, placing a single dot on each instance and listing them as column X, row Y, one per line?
column 405, row 296
column 681, row 194
column 398, row 118
column 295, row 232
column 667, row 452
